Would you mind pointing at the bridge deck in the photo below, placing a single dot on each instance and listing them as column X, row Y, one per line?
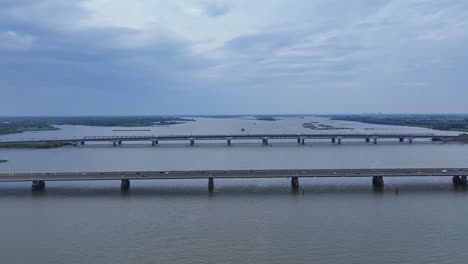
column 220, row 174
column 233, row 136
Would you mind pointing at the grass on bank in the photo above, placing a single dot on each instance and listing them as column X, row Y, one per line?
column 13, row 129
column 461, row 138
column 13, row 125
column 39, row 145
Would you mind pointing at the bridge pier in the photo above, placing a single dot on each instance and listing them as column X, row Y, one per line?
column 125, row 185
column 82, row 143
column 154, row 143
column 367, row 140
column 295, row 182
column 339, row 140
column 38, row 185
column 303, row 141
column 410, row 140
column 192, row 142
column 265, row 141
column 229, row 142
column 333, row 140
column 298, row 140
column 377, row 181
column 210, row 184
column 114, row 143
column 402, row 139
column 375, row 140
column 120, row 142
column 459, row 181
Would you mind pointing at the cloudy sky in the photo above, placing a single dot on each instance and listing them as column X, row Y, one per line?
column 99, row 57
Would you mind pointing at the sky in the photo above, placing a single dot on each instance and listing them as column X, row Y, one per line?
column 160, row 57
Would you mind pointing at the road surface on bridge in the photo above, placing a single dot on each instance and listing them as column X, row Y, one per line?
column 227, row 174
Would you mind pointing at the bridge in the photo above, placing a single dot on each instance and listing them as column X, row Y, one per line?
column 265, row 138
column 459, row 175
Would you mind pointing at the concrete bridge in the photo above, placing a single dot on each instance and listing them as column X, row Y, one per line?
column 458, row 175
column 229, row 138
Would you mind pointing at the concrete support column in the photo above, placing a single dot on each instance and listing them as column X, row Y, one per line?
column 82, row 142
column 303, row 141
column 367, row 140
column 339, row 140
column 402, row 139
column 298, row 140
column 153, row 143
column 114, row 143
column 333, row 140
column 265, row 141
column 375, row 140
column 192, row 142
column 459, row 181
column 295, row 182
column 210, row 184
column 120, row 142
column 125, row 185
column 411, row 141
column 377, row 181
column 229, row 142
column 38, row 185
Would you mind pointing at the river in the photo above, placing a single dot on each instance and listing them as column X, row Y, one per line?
column 242, row 221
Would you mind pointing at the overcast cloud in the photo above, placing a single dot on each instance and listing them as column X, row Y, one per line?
column 98, row 57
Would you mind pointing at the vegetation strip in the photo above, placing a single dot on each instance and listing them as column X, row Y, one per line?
column 34, row 145
column 437, row 122
column 12, row 125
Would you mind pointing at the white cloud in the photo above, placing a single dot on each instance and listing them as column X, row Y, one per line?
column 16, row 41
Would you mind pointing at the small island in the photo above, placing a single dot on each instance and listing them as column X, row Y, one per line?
column 266, row 118
column 315, row 126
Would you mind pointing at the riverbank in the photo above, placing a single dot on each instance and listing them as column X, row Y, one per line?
column 3, row 161
column 41, row 145
column 6, row 129
column 13, row 125
column 461, row 138
column 436, row 122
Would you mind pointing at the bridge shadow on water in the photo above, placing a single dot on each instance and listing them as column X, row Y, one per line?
column 229, row 188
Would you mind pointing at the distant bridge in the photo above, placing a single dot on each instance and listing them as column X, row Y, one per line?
column 38, row 179
column 265, row 138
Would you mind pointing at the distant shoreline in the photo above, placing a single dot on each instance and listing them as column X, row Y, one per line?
column 13, row 125
column 441, row 123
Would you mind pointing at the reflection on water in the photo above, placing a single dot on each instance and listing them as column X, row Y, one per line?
column 234, row 187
